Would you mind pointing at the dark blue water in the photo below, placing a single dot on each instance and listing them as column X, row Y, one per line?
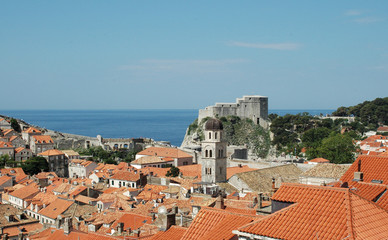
column 161, row 125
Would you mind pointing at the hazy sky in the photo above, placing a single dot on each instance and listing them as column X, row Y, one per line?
column 191, row 54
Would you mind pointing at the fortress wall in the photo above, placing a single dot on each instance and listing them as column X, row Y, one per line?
column 252, row 107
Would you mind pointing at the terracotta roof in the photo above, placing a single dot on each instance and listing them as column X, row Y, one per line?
column 369, row 191
column 132, row 220
column 4, row 179
column 165, row 152
column 321, row 213
column 43, row 175
column 319, row 160
column 127, row 176
column 382, row 201
column 372, row 167
column 194, row 170
column 43, row 139
column 382, row 129
column 5, row 144
column 25, row 192
column 51, row 152
column 230, row 171
column 43, row 198
column 211, row 223
column 148, row 160
column 19, row 149
column 157, row 172
column 78, row 235
column 174, row 233
column 81, row 162
column 32, row 130
column 8, row 131
column 27, row 228
column 56, row 208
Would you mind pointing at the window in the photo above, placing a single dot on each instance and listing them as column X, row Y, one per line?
column 210, row 135
column 215, row 135
column 206, row 153
column 210, row 153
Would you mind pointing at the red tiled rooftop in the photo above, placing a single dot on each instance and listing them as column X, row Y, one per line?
column 25, row 192
column 132, row 220
column 211, row 223
column 5, row 144
column 56, row 208
column 319, row 160
column 230, row 171
column 321, row 213
column 165, row 152
column 372, row 167
column 174, row 233
column 51, row 152
column 43, row 139
column 32, row 130
column 125, row 175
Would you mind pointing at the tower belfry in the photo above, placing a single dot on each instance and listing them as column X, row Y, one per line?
column 214, row 153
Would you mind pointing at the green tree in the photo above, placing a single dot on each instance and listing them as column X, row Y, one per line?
column 35, row 165
column 15, row 125
column 337, row 148
column 4, row 159
column 173, row 172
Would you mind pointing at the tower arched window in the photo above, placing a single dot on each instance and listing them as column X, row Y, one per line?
column 215, row 135
column 206, row 153
column 210, row 153
column 210, row 135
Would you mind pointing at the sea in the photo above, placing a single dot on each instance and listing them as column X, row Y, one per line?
column 160, row 125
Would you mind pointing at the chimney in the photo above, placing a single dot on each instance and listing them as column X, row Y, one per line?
column 273, row 183
column 195, row 210
column 220, row 202
column 358, row 176
column 77, row 225
column 181, row 222
column 68, row 226
column 120, row 227
column 260, row 200
column 5, row 236
column 20, row 236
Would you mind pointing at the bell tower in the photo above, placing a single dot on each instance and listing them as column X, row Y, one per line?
column 214, row 153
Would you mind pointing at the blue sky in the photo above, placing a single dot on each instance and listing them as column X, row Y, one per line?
column 191, row 54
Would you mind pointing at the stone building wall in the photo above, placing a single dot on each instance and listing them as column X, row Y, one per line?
column 253, row 107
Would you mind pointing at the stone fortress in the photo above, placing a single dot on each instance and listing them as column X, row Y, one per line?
column 254, row 107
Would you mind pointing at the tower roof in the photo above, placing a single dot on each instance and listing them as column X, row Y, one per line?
column 213, row 125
